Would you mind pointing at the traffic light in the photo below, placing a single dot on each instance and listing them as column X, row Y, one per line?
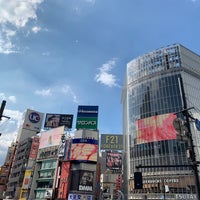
column 3, row 104
column 138, row 180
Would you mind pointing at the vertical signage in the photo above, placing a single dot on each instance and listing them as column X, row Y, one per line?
column 87, row 117
column 33, row 120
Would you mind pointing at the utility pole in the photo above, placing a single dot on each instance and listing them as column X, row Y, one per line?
column 189, row 135
column 3, row 104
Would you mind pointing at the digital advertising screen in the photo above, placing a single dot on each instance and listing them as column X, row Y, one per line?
column 84, row 149
column 155, row 128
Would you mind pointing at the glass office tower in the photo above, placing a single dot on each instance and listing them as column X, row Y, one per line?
column 159, row 87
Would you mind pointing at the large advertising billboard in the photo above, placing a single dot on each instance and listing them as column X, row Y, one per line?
column 64, row 181
column 51, row 137
column 111, row 142
column 84, row 149
column 83, row 180
column 87, row 117
column 33, row 120
column 114, row 160
column 155, row 128
column 55, row 120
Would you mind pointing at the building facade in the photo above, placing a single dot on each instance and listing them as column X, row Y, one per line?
column 159, row 87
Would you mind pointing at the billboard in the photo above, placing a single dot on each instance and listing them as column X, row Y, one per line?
column 113, row 160
column 34, row 148
column 51, row 137
column 83, row 180
column 84, row 149
column 64, row 180
column 155, row 128
column 55, row 120
column 27, row 179
column 33, row 120
column 87, row 117
column 111, row 142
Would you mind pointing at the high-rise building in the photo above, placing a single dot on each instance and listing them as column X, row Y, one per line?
column 160, row 87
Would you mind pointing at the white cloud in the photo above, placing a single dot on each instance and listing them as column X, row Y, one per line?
column 44, row 92
column 90, row 1
column 46, row 53
column 67, row 90
column 12, row 98
column 16, row 14
column 36, row 29
column 104, row 76
column 57, row 90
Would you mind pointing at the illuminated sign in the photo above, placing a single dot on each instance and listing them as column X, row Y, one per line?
column 111, row 142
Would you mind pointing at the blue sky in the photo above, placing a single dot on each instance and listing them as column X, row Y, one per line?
column 56, row 55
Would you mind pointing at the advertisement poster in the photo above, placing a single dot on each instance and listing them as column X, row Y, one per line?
column 114, row 160
column 83, row 181
column 51, row 137
column 64, row 180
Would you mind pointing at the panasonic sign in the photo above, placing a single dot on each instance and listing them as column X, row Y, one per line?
column 87, row 117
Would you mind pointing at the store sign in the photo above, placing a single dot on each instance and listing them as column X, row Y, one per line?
column 186, row 196
column 167, row 180
column 79, row 197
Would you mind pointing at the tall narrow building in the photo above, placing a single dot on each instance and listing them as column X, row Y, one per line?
column 161, row 101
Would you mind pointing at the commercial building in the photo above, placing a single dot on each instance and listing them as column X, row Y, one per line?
column 44, row 180
column 159, row 87
column 111, row 147
column 6, row 168
column 29, row 128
